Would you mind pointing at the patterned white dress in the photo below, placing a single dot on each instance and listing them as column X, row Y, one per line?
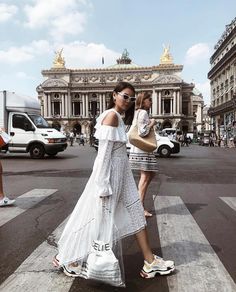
column 111, row 179
column 139, row 159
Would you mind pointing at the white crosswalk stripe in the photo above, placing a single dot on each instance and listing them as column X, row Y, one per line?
column 23, row 203
column 230, row 201
column 37, row 273
column 198, row 266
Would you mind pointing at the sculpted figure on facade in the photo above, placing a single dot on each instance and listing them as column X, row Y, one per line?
column 166, row 57
column 59, row 61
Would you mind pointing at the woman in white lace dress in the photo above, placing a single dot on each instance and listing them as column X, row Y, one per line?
column 140, row 160
column 110, row 193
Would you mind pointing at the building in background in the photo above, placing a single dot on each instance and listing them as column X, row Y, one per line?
column 72, row 98
column 223, row 83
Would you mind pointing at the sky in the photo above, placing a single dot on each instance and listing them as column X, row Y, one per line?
column 31, row 31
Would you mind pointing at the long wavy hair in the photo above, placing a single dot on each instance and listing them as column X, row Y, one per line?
column 129, row 114
column 140, row 99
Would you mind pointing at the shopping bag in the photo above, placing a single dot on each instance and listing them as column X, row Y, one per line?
column 102, row 265
column 4, row 138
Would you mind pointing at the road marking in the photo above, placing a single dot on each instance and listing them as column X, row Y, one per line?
column 37, row 273
column 230, row 201
column 198, row 268
column 23, row 203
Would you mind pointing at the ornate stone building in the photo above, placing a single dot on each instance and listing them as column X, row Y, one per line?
column 72, row 98
column 223, row 82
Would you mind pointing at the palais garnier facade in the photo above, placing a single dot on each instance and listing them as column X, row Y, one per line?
column 71, row 99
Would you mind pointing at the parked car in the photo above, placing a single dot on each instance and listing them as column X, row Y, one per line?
column 165, row 146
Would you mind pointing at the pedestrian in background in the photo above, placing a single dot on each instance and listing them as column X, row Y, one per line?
column 4, row 201
column 112, row 192
column 72, row 135
column 140, row 160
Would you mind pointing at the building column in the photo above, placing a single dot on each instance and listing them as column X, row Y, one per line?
column 159, row 100
column 162, row 106
column 66, row 104
column 178, row 103
column 45, row 105
column 174, row 103
column 154, row 102
column 86, row 105
column 49, row 110
column 104, row 101
column 69, row 105
column 100, row 102
column 62, row 105
column 171, row 106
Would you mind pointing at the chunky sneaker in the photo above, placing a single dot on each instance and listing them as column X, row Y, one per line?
column 6, row 202
column 158, row 266
column 70, row 271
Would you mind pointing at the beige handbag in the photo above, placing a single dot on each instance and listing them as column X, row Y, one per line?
column 147, row 143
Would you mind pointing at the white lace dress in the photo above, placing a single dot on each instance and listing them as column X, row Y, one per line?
column 112, row 180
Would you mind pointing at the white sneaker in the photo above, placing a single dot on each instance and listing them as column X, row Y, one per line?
column 6, row 202
column 158, row 266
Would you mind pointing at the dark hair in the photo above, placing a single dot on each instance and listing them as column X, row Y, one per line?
column 140, row 99
column 130, row 112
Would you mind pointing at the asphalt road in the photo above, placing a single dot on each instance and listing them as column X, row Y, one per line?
column 193, row 200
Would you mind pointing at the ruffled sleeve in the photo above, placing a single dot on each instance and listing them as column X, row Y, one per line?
column 102, row 168
column 143, row 123
column 105, row 132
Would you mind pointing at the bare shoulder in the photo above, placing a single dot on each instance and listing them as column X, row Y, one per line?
column 111, row 119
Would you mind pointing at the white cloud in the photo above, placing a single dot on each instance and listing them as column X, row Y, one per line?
column 60, row 16
column 23, row 75
column 205, row 89
column 83, row 55
column 7, row 11
column 197, row 53
column 24, row 53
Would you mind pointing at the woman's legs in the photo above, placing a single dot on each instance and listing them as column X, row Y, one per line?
column 144, row 181
column 143, row 242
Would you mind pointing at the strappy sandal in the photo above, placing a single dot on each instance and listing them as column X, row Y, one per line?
column 56, row 262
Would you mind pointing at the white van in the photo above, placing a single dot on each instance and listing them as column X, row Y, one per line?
column 29, row 131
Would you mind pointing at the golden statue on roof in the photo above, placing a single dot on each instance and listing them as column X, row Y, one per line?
column 59, row 61
column 166, row 57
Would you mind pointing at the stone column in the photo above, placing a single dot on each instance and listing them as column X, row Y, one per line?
column 87, row 105
column 45, row 105
column 171, row 106
column 162, row 106
column 69, row 105
column 48, row 113
column 66, row 104
column 62, row 105
column 174, row 103
column 104, row 101
column 178, row 103
column 159, row 100
column 84, row 104
column 154, row 102
column 100, row 103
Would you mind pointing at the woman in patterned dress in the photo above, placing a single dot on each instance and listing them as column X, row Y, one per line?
column 110, row 192
column 139, row 159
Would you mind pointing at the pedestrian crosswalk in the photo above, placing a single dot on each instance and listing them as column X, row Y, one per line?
column 24, row 202
column 198, row 268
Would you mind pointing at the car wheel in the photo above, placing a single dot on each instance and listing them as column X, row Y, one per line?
column 37, row 151
column 164, row 151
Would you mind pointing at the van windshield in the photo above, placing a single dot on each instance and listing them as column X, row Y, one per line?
column 39, row 121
